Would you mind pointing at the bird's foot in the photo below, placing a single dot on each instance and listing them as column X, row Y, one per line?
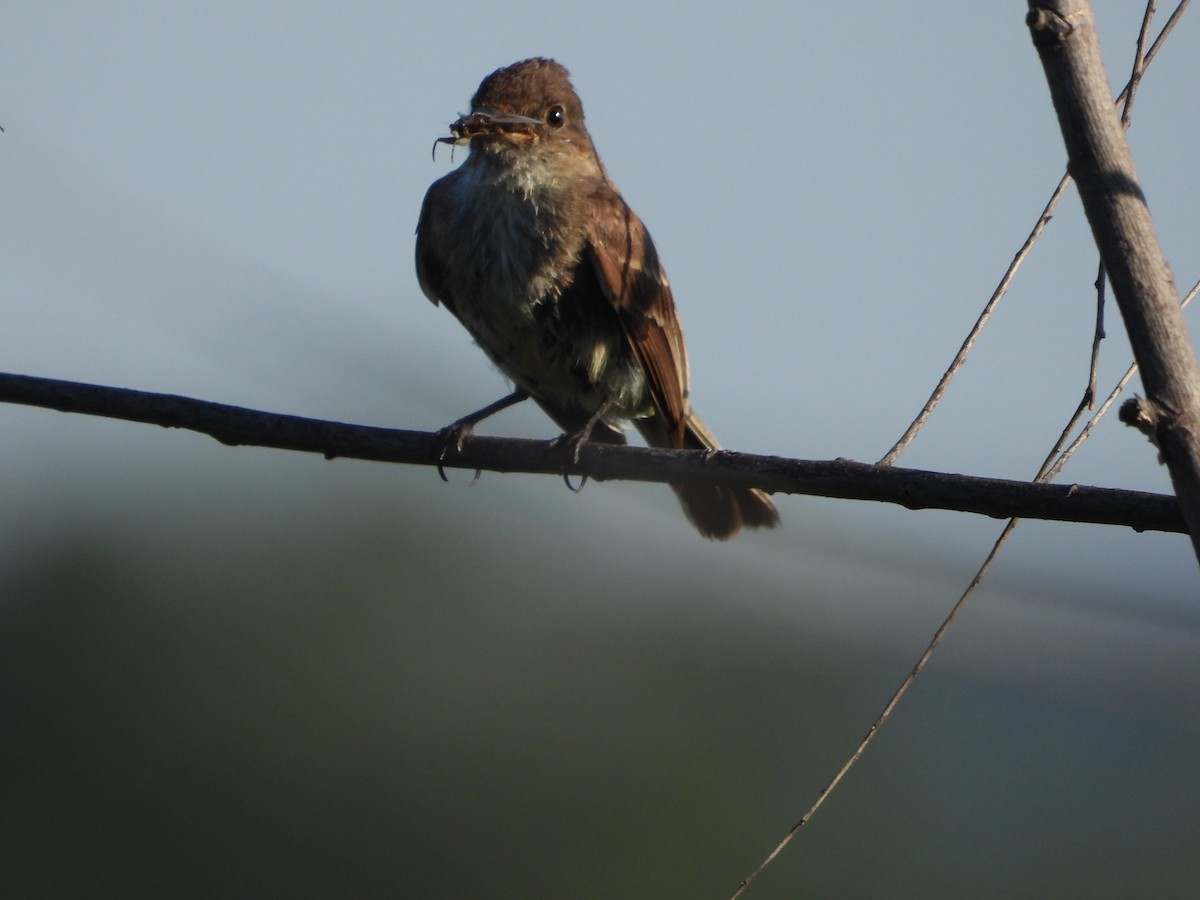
column 454, row 436
column 567, row 448
column 456, row 433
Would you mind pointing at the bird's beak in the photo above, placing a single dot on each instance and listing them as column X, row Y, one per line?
column 489, row 122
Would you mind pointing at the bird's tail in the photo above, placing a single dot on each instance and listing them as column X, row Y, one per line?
column 718, row 513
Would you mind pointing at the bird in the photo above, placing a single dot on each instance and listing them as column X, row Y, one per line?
column 530, row 245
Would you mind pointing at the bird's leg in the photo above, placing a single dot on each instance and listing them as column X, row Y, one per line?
column 454, row 434
column 572, row 444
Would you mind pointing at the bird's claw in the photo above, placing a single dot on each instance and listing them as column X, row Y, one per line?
column 569, row 446
column 455, row 436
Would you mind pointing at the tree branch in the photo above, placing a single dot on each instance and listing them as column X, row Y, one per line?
column 840, row 478
column 1064, row 33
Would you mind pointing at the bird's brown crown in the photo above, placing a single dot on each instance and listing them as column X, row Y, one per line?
column 531, row 87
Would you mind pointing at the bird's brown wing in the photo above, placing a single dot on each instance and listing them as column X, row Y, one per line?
column 633, row 281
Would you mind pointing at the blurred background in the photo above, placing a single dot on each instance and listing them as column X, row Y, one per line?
column 240, row 672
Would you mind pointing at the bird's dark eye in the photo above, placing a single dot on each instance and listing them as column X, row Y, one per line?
column 556, row 116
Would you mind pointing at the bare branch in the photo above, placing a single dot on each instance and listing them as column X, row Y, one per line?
column 1099, row 160
column 841, row 478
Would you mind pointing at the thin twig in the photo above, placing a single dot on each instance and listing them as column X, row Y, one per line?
column 885, row 714
column 1088, row 400
column 1139, row 63
column 1097, row 337
column 1052, row 472
column 960, row 358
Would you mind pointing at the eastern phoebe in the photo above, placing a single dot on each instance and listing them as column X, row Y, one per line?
column 532, row 248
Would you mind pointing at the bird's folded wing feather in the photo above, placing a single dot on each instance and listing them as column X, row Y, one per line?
column 633, row 280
